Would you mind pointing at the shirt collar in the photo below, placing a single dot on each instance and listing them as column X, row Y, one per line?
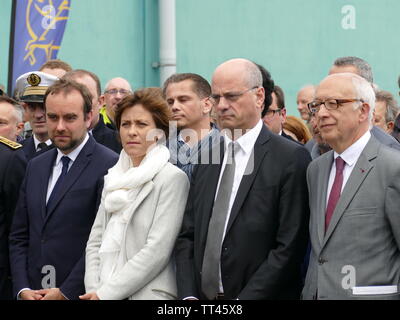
column 211, row 132
column 74, row 153
column 36, row 142
column 352, row 153
column 247, row 141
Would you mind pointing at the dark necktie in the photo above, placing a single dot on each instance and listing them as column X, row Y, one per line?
column 65, row 161
column 212, row 252
column 41, row 146
column 335, row 191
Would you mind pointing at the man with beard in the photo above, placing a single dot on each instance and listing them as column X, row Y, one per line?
column 58, row 200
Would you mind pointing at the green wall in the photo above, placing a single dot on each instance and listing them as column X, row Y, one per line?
column 5, row 14
column 296, row 40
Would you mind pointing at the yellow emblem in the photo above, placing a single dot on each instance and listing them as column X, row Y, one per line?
column 11, row 144
column 34, row 80
column 51, row 15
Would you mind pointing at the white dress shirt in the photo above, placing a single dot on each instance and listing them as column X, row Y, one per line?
column 350, row 157
column 57, row 168
column 242, row 156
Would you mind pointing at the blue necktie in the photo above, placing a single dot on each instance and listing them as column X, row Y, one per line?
column 65, row 160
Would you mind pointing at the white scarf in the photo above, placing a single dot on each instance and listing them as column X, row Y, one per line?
column 121, row 186
column 123, row 181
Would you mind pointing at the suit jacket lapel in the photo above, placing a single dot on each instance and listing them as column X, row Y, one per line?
column 74, row 173
column 259, row 151
column 323, row 180
column 361, row 170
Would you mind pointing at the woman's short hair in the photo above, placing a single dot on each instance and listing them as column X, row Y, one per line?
column 298, row 128
column 152, row 100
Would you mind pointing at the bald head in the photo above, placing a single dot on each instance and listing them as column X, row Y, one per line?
column 238, row 94
column 118, row 83
column 116, row 89
column 304, row 97
column 245, row 69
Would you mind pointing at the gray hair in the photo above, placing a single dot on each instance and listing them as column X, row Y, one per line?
column 365, row 92
column 254, row 76
column 391, row 104
column 363, row 68
column 18, row 109
column 19, row 112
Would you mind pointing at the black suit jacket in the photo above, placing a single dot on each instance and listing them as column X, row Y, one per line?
column 107, row 137
column 57, row 236
column 267, row 231
column 290, row 138
column 12, row 170
column 28, row 145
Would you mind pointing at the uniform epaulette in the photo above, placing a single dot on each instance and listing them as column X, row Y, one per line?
column 12, row 144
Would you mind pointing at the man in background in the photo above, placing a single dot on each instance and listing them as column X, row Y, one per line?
column 188, row 96
column 56, row 68
column 12, row 170
column 101, row 133
column 116, row 89
column 386, row 110
column 33, row 86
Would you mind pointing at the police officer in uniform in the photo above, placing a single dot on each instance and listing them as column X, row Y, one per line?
column 12, row 170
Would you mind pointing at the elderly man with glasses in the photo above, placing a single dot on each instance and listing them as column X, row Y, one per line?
column 354, row 199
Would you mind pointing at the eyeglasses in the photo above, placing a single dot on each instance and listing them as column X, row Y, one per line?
column 331, row 104
column 270, row 113
column 123, row 92
column 230, row 96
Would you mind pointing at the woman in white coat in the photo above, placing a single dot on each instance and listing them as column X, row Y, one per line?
column 129, row 251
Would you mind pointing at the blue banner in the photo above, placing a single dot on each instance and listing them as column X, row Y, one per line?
column 37, row 31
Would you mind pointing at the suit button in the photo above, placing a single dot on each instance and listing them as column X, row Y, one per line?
column 42, row 241
column 321, row 261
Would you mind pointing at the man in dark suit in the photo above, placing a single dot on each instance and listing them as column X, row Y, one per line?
column 101, row 133
column 275, row 116
column 244, row 232
column 12, row 170
column 59, row 200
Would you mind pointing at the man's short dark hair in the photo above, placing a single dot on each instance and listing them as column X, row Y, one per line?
column 268, row 85
column 66, row 86
column 280, row 97
column 78, row 73
column 200, row 85
column 363, row 68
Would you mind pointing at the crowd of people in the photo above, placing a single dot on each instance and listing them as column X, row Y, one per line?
column 198, row 190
